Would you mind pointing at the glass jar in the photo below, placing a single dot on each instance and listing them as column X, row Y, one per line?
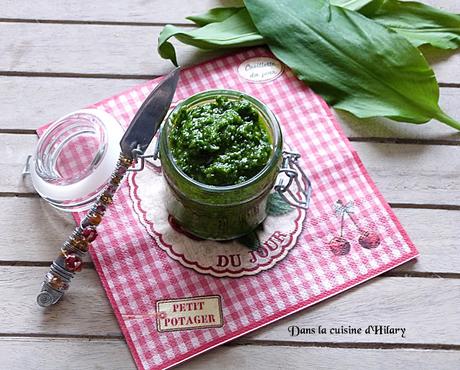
column 219, row 212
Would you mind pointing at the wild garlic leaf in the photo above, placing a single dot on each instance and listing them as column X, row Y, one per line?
column 235, row 31
column 419, row 23
column 351, row 4
column 277, row 206
column 213, row 15
column 356, row 64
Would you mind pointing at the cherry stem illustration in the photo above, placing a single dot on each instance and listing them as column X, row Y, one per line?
column 341, row 224
column 354, row 221
column 346, row 209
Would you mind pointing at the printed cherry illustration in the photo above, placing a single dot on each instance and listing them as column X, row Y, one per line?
column 368, row 239
column 339, row 245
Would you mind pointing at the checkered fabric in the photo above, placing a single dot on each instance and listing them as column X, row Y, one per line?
column 136, row 273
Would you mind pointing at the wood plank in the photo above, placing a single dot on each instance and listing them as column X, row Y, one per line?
column 47, row 228
column 117, row 50
column 435, row 234
column 133, row 11
column 404, row 173
column 422, row 174
column 281, row 357
column 424, row 226
column 85, row 303
column 373, row 303
column 57, row 353
column 172, row 11
column 50, row 354
column 424, row 307
column 87, row 49
column 46, row 98
column 13, row 156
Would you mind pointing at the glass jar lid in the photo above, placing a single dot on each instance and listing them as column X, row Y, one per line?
column 75, row 158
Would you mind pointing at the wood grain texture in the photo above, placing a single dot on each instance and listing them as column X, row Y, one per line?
column 425, row 307
column 27, row 354
column 404, row 173
column 58, row 354
column 45, row 99
column 87, row 49
column 172, row 11
column 85, row 303
column 376, row 302
column 419, row 174
column 118, row 50
column 280, row 358
column 438, row 243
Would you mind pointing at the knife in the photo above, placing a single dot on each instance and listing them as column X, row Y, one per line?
column 133, row 145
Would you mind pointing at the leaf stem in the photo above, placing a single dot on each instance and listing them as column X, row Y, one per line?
column 442, row 117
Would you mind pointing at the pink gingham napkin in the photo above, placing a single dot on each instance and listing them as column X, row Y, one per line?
column 138, row 271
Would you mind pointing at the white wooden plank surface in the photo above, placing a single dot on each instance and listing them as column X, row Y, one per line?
column 38, row 246
column 376, row 302
column 172, row 11
column 87, row 49
column 58, row 354
column 404, row 173
column 29, row 102
column 114, row 50
column 45, row 99
column 423, row 306
column 261, row 358
column 84, row 311
column 28, row 354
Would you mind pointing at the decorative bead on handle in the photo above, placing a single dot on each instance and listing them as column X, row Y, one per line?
column 69, row 261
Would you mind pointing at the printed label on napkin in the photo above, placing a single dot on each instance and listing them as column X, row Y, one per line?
column 189, row 313
column 261, row 69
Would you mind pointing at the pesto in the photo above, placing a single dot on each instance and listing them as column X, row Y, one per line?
column 223, row 142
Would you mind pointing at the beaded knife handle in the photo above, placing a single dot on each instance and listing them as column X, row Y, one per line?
column 133, row 145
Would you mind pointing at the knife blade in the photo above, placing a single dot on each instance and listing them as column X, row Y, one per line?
column 149, row 117
column 134, row 143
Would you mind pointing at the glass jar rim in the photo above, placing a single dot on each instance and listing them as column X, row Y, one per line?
column 203, row 96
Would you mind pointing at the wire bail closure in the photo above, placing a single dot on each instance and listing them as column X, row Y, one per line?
column 140, row 159
column 291, row 173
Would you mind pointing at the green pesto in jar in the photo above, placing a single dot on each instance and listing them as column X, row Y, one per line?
column 223, row 142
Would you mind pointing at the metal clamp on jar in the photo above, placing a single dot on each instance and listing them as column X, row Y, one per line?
column 291, row 173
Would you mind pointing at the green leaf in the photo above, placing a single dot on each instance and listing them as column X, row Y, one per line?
column 250, row 240
column 356, row 64
column 419, row 23
column 235, row 31
column 213, row 15
column 351, row 4
column 277, row 206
